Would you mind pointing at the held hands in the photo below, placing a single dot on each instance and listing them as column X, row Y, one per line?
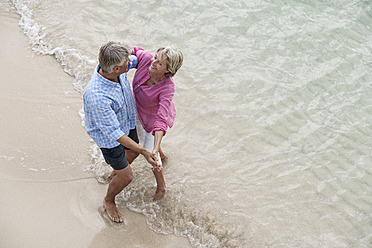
column 153, row 160
column 159, row 164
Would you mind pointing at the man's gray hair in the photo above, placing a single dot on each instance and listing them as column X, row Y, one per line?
column 174, row 59
column 113, row 54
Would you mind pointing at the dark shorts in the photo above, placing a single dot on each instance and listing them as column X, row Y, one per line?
column 115, row 157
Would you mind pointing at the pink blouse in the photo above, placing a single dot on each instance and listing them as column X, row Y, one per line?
column 155, row 108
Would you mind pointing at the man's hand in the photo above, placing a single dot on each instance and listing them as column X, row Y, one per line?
column 150, row 156
column 152, row 159
column 159, row 165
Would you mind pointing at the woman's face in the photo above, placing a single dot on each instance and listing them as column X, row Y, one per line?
column 158, row 64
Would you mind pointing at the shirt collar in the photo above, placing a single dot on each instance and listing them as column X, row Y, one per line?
column 103, row 79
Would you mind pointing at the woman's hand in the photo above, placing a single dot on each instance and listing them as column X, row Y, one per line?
column 159, row 165
column 157, row 140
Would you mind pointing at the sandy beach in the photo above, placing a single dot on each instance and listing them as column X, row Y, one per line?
column 47, row 199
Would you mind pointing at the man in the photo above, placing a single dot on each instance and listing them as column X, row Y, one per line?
column 110, row 117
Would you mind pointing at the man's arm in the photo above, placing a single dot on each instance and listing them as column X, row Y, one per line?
column 128, row 142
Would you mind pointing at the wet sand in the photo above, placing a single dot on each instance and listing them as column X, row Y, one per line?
column 47, row 198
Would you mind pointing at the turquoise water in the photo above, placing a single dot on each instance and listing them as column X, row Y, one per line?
column 272, row 141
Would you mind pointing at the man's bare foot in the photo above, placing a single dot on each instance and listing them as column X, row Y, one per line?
column 159, row 194
column 112, row 211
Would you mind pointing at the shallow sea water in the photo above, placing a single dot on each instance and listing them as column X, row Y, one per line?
column 272, row 141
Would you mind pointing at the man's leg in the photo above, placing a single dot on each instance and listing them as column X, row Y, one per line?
column 121, row 179
column 131, row 155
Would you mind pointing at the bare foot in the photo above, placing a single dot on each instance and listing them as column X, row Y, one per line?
column 112, row 211
column 159, row 194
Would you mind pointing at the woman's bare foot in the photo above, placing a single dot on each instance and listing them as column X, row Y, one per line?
column 159, row 194
column 160, row 185
column 112, row 211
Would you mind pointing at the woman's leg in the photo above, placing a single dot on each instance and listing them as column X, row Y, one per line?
column 162, row 155
column 160, row 188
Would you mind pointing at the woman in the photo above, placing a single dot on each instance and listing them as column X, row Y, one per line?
column 153, row 90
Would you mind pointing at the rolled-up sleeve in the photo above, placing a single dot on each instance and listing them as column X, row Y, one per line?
column 137, row 51
column 133, row 62
column 143, row 56
column 165, row 100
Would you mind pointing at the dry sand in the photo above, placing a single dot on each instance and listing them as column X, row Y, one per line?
column 47, row 199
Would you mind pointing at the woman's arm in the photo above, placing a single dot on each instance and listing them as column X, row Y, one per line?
column 165, row 101
column 157, row 140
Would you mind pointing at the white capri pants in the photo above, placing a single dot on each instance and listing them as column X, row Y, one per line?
column 146, row 140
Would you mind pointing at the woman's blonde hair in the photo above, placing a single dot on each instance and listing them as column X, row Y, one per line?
column 174, row 59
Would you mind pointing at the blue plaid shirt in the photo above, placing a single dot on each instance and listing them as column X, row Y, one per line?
column 109, row 108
